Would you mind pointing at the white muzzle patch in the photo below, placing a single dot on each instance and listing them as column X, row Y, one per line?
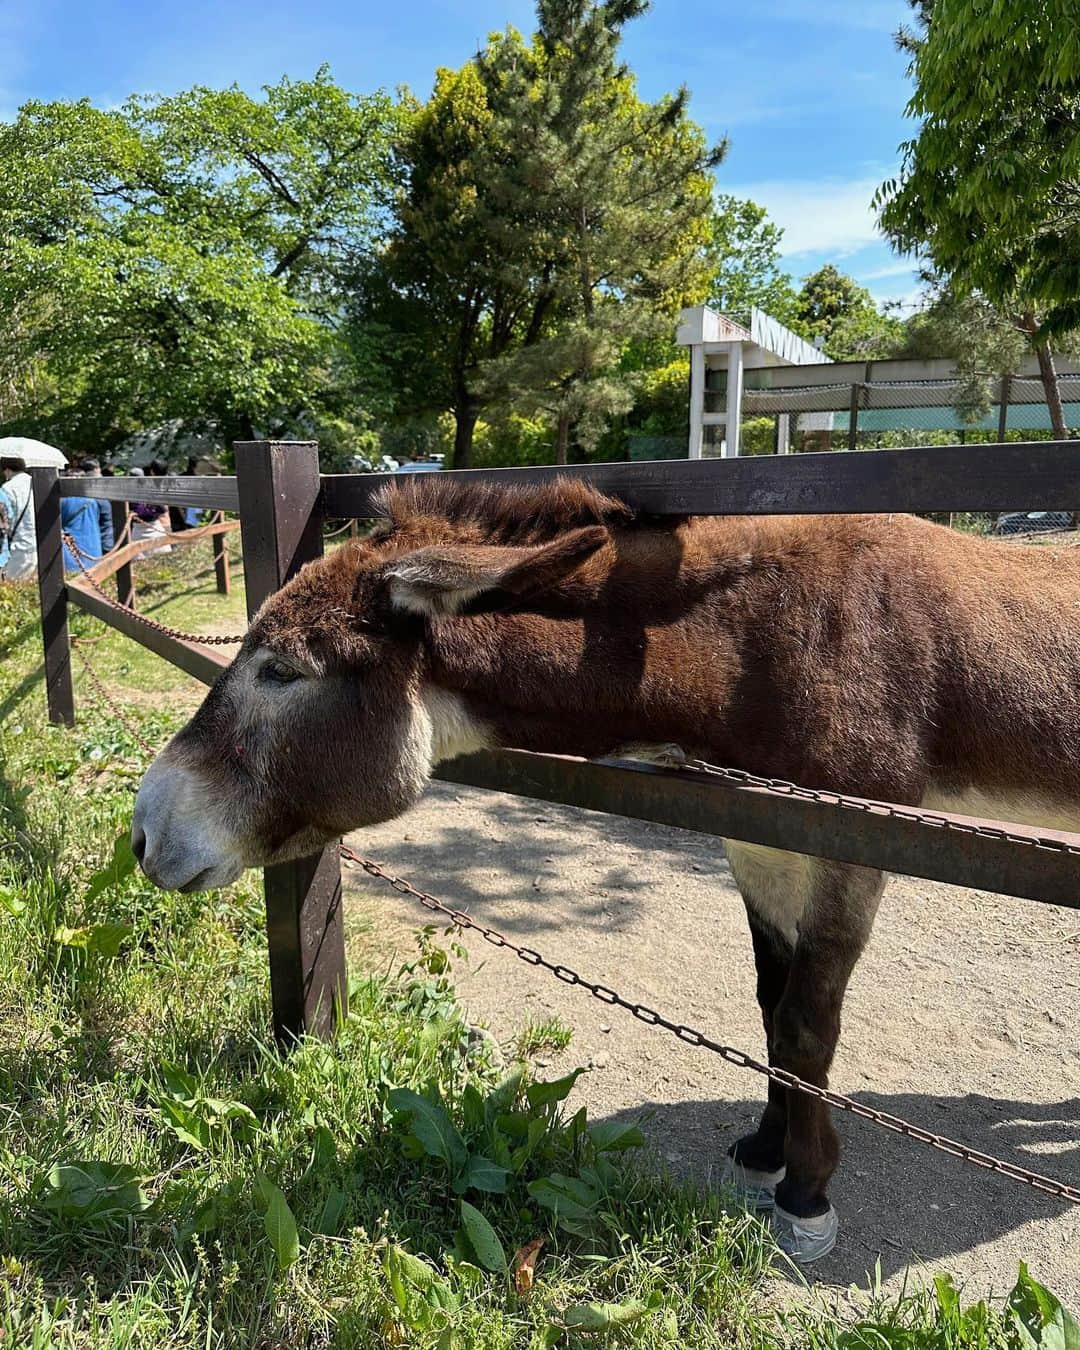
column 176, row 834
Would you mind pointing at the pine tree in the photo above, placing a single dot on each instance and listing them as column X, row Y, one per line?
column 607, row 198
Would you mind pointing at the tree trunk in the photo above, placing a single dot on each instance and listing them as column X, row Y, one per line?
column 466, row 415
column 1053, row 391
column 562, row 440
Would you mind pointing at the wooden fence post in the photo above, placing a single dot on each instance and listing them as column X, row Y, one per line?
column 281, row 529
column 50, row 573
column 125, row 582
column 221, row 562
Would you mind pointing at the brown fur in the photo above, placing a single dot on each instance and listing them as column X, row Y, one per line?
column 878, row 655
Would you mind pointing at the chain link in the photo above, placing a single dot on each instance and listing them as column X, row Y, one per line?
column 201, row 639
column 110, row 703
column 692, row 1036
column 913, row 815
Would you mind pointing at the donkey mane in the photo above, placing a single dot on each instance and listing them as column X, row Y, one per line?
column 495, row 514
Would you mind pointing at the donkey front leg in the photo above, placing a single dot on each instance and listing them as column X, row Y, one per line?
column 755, row 1164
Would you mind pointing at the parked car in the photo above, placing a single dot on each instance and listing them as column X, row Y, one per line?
column 420, row 466
column 1033, row 522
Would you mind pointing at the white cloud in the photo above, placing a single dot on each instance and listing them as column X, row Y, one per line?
column 820, row 215
column 895, row 269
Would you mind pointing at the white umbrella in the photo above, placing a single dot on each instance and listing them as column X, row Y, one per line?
column 37, row 454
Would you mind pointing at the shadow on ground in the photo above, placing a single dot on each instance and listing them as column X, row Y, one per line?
column 939, row 1206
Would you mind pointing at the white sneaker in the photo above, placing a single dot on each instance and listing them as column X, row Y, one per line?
column 754, row 1189
column 805, row 1240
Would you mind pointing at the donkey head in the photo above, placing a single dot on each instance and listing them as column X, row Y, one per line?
column 327, row 719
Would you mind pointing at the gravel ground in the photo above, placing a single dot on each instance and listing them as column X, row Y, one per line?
column 962, row 1016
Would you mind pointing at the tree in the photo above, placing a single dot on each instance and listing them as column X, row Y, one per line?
column 834, row 307
column 181, row 258
column 620, row 191
column 989, row 190
column 982, row 344
column 744, row 256
column 550, row 215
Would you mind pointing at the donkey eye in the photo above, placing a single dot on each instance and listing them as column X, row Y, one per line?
column 279, row 672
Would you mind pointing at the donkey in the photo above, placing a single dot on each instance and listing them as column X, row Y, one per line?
column 881, row 656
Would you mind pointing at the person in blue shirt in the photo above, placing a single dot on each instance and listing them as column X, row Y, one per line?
column 88, row 520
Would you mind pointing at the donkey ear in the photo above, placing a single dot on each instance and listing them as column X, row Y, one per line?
column 442, row 579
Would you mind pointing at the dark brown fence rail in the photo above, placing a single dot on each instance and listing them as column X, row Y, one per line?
column 213, row 492
column 283, row 501
column 1019, row 475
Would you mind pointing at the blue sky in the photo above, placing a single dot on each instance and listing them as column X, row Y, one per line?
column 810, row 92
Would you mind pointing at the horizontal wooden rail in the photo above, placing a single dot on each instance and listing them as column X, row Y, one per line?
column 824, row 829
column 210, row 491
column 1018, row 475
column 203, row 663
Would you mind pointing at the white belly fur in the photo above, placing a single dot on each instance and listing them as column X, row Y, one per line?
column 778, row 885
column 1019, row 808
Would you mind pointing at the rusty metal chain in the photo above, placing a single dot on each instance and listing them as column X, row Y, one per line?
column 929, row 819
column 202, row 639
column 106, row 698
column 698, row 1039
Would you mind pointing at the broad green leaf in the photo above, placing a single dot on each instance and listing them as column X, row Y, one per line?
column 1040, row 1320
column 330, row 1217
column 177, row 1079
column 407, row 1273
column 432, row 1125
column 572, row 1201
column 279, row 1224
column 120, row 865
column 543, row 1094
column 472, row 1109
column 481, row 1174
column 610, row 1136
column 14, row 905
column 218, row 1112
column 482, row 1238
column 94, row 1190
column 603, row 1316
column 185, row 1122
column 103, row 938
column 503, row 1096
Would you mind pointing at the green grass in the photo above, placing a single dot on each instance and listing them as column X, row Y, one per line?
column 540, row 1034
column 168, row 1178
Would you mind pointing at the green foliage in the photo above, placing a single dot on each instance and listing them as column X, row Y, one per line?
column 1039, row 1320
column 550, row 217
column 548, row 1033
column 179, row 258
column 279, row 1223
column 986, row 192
column 94, row 1192
column 833, row 307
column 744, row 256
column 986, row 188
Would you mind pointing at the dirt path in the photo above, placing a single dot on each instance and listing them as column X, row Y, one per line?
column 963, row 1015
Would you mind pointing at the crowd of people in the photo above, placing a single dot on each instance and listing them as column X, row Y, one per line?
column 87, row 520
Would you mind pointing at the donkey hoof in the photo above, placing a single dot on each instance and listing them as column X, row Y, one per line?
column 805, row 1240
column 752, row 1188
